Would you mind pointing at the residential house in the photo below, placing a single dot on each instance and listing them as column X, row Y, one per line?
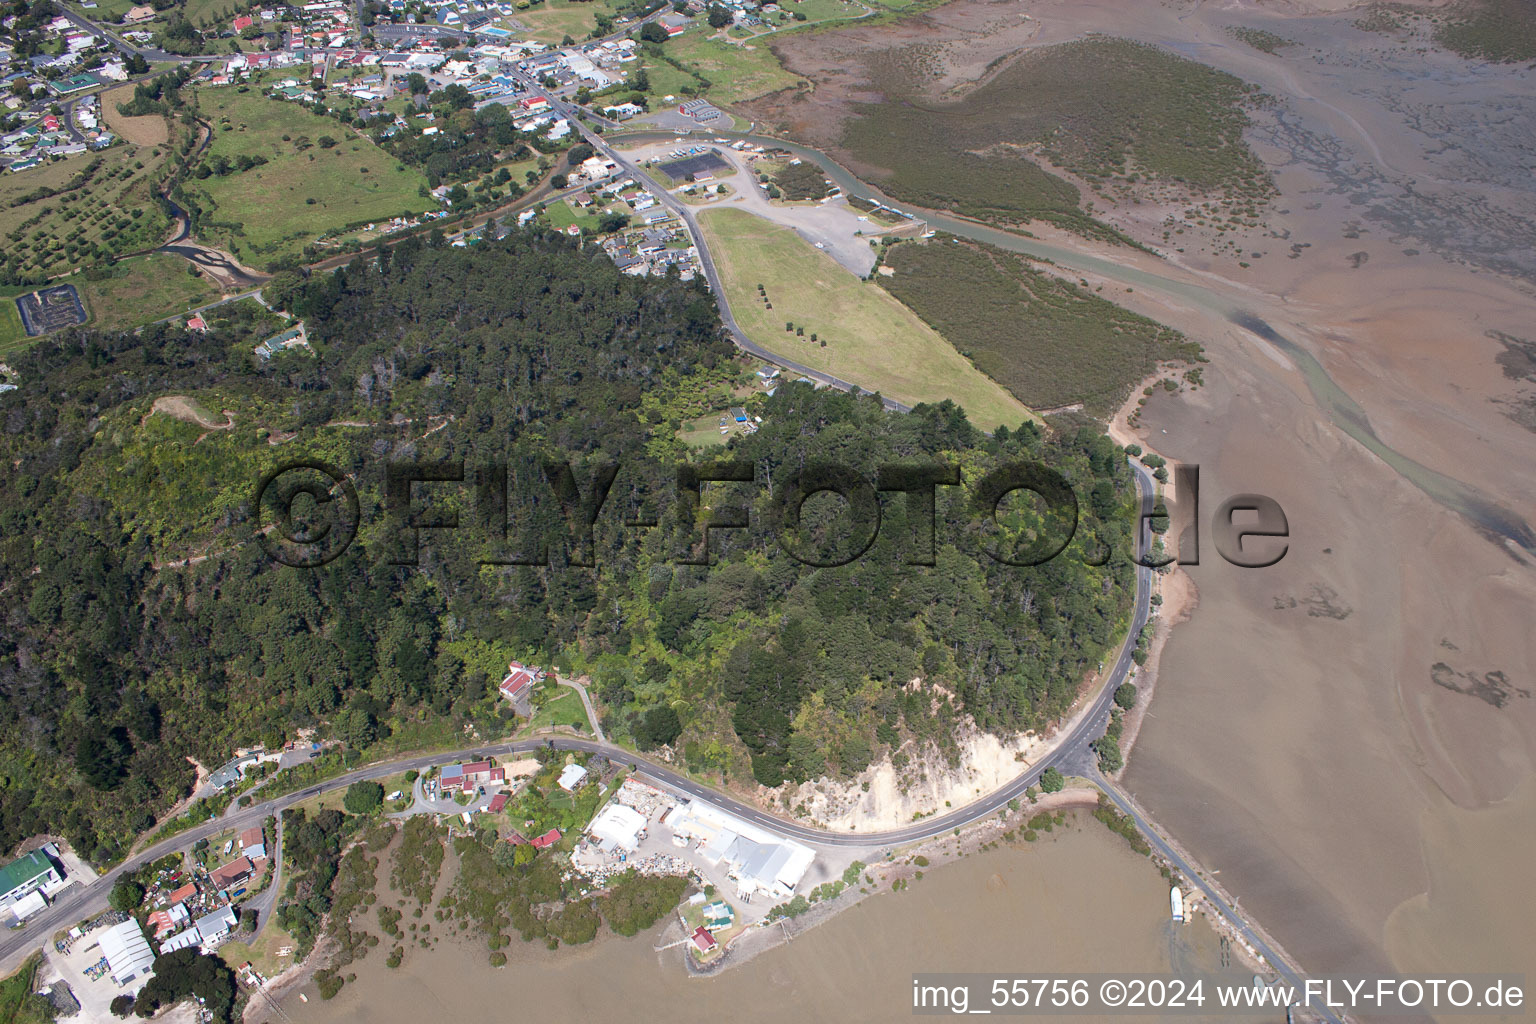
column 231, row 874
column 702, row 940
column 466, row 777
column 215, row 926
column 548, row 839
column 520, row 678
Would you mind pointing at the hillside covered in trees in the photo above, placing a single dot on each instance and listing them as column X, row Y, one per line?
column 517, row 353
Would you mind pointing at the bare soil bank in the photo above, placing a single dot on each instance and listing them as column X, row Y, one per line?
column 1348, row 736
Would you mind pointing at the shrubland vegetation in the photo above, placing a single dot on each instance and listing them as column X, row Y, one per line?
column 1503, row 31
column 1046, row 340
column 522, row 349
column 1260, row 39
column 19, row 1002
column 1108, row 110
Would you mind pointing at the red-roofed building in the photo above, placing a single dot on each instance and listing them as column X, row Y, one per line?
column 251, row 837
column 520, row 679
column 516, row 839
column 161, row 921
column 237, row 870
column 549, row 838
column 244, row 22
column 183, row 894
column 476, row 773
column 196, row 323
column 702, row 940
column 497, row 804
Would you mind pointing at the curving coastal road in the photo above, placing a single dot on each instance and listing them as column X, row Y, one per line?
column 1071, row 753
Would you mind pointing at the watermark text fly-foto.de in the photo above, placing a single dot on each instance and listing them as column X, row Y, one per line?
column 308, row 512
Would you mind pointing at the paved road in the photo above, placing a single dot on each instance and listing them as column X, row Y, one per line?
column 1166, row 850
column 706, row 260
column 265, row 902
column 148, row 53
column 79, row 901
column 586, row 701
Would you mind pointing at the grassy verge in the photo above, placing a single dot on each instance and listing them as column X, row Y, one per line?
column 871, row 338
column 12, row 335
column 1049, row 342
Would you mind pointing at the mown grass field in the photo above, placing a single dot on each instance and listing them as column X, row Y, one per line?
column 1049, row 342
column 872, row 339
column 305, row 189
column 1104, row 109
column 102, row 205
column 552, row 20
column 736, row 72
column 144, row 289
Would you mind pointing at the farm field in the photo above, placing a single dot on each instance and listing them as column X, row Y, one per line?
column 80, row 210
column 871, row 338
column 319, row 176
column 145, row 289
column 1047, row 341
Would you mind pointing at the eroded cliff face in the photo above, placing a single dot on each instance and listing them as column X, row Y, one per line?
column 885, row 796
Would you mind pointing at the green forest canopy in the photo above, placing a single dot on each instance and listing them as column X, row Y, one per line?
column 523, row 349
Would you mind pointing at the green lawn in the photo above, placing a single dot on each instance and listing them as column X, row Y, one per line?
column 220, row 13
column 564, row 709
column 562, row 215
column 145, row 289
column 872, row 339
column 736, row 72
column 824, row 10
column 305, row 189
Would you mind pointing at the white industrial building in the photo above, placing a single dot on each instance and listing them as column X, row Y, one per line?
column 127, row 952
column 759, row 860
column 619, row 827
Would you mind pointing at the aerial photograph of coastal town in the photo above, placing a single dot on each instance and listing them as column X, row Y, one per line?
column 767, row 510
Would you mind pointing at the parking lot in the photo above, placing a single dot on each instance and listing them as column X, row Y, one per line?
column 83, row 967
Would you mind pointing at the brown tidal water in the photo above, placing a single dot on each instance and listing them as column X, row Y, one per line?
column 1079, row 900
